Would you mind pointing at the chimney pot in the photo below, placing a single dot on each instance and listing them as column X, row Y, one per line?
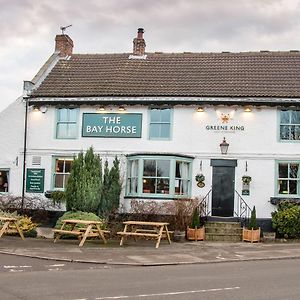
column 64, row 45
column 139, row 43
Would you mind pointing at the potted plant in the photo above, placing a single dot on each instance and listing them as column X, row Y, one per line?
column 195, row 232
column 200, row 180
column 252, row 233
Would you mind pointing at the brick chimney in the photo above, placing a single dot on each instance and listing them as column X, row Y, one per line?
column 139, row 44
column 64, row 45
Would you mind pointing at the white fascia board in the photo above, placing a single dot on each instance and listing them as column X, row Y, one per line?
column 180, row 100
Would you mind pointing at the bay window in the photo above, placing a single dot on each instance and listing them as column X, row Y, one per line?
column 158, row 176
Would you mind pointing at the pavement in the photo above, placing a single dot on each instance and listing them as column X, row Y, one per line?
column 143, row 252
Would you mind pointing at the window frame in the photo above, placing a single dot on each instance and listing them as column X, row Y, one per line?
column 277, row 186
column 160, row 123
column 64, row 158
column 68, row 122
column 7, row 170
column 172, row 176
column 286, row 124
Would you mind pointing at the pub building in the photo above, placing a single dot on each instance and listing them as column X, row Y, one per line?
column 168, row 117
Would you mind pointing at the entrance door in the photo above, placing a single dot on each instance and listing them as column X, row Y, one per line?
column 223, row 187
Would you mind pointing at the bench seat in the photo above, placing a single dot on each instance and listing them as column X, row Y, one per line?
column 75, row 232
column 138, row 234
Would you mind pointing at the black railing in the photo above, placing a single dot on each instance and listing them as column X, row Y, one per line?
column 243, row 211
column 204, row 205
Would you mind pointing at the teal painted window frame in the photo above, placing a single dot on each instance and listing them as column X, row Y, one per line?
column 7, row 171
column 161, row 123
column 286, row 124
column 54, row 172
column 277, row 179
column 139, row 177
column 67, row 122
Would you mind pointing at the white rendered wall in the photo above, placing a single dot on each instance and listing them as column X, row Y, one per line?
column 258, row 144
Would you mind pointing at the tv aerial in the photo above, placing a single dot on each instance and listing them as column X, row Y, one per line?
column 63, row 28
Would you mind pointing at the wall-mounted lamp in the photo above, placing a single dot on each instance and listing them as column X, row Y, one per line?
column 122, row 108
column 43, row 109
column 247, row 109
column 200, row 109
column 35, row 108
column 101, row 108
column 224, row 146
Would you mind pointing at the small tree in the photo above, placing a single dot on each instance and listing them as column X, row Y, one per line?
column 84, row 187
column 253, row 222
column 196, row 218
column 111, row 188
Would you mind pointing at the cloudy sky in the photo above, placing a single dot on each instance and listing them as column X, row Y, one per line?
column 28, row 29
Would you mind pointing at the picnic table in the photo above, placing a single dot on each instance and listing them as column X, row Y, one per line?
column 89, row 229
column 10, row 225
column 155, row 230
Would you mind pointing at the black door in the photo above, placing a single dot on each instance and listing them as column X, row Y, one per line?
column 223, row 187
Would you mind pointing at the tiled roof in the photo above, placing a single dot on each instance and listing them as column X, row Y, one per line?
column 248, row 74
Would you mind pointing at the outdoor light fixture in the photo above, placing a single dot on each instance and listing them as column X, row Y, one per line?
column 43, row 109
column 200, row 109
column 101, row 108
column 122, row 108
column 247, row 109
column 224, row 146
column 35, row 108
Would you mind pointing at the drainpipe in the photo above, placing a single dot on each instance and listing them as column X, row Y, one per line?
column 24, row 152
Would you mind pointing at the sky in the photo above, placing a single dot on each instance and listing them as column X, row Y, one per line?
column 28, row 29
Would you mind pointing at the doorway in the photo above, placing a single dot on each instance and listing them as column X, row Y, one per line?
column 223, row 186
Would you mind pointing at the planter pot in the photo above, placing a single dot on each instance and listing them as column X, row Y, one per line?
column 251, row 235
column 269, row 237
column 179, row 236
column 195, row 234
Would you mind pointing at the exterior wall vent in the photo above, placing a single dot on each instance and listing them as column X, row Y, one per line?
column 36, row 160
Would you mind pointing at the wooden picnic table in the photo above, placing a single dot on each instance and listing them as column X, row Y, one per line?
column 90, row 229
column 156, row 230
column 10, row 225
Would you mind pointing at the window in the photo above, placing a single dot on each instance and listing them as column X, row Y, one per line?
column 288, row 178
column 160, row 123
column 290, row 125
column 159, row 176
column 4, row 176
column 62, row 172
column 66, row 125
column 156, row 176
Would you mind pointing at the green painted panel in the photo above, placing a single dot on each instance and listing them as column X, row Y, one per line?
column 112, row 125
column 35, row 180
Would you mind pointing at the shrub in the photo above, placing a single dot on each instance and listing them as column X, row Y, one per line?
column 111, row 188
column 253, row 222
column 58, row 197
column 196, row 218
column 286, row 220
column 25, row 223
column 80, row 215
column 84, row 187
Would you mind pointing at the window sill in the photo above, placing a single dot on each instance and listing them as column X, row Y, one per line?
column 278, row 200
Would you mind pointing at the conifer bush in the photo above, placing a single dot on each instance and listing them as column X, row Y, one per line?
column 253, row 221
column 84, row 187
column 111, row 188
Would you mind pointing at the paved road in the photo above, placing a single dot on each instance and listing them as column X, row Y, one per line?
column 239, row 280
column 17, row 264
